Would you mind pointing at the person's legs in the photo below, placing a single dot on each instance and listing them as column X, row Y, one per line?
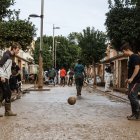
column 107, row 84
column 53, row 80
column 69, row 81
column 1, row 97
column 6, row 91
column 133, row 97
column 78, row 86
column 63, row 81
column 7, row 97
column 60, row 81
column 81, row 80
column 13, row 83
column 19, row 91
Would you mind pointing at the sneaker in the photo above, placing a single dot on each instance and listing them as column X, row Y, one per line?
column 138, row 115
column 130, row 116
column 133, row 117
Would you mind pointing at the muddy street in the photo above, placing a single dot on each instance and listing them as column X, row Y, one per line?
column 46, row 115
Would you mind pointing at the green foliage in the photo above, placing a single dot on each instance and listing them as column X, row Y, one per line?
column 66, row 53
column 92, row 45
column 47, row 62
column 4, row 8
column 123, row 23
column 13, row 29
column 135, row 2
column 21, row 31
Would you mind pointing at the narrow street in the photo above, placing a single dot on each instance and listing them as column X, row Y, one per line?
column 46, row 115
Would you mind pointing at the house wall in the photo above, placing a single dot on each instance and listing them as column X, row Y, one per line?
column 119, row 68
column 120, row 73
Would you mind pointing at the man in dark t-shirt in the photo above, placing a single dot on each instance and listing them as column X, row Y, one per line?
column 134, row 60
column 71, row 74
column 133, row 80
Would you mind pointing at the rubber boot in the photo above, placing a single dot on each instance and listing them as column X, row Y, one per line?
column 8, row 111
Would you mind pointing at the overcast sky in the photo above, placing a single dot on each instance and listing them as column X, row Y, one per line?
column 69, row 15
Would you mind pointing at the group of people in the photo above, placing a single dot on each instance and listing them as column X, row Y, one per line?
column 66, row 77
column 63, row 77
column 78, row 73
column 7, row 80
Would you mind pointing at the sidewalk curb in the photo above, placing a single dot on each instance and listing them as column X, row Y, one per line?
column 111, row 94
column 24, row 91
column 34, row 89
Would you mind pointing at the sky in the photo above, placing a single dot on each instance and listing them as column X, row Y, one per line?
column 69, row 15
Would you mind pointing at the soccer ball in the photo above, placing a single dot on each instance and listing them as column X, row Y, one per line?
column 72, row 100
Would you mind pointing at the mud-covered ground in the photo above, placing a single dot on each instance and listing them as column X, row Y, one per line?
column 46, row 115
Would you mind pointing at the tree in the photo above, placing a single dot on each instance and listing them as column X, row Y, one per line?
column 46, row 52
column 134, row 1
column 93, row 46
column 4, row 8
column 123, row 23
column 13, row 29
column 21, row 31
column 66, row 53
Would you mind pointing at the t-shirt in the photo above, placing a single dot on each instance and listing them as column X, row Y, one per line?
column 5, row 65
column 78, row 70
column 7, row 55
column 133, row 61
column 15, row 69
column 52, row 73
column 62, row 73
column 71, row 73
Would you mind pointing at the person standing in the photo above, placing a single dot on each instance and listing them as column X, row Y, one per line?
column 79, row 76
column 52, row 75
column 62, row 76
column 59, row 79
column 71, row 74
column 133, row 80
column 5, row 72
column 25, row 74
column 108, row 76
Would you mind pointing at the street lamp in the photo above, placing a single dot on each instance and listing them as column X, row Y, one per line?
column 40, row 73
column 53, row 50
column 55, row 53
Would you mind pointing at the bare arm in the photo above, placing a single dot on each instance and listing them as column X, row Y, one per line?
column 18, row 73
column 136, row 70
